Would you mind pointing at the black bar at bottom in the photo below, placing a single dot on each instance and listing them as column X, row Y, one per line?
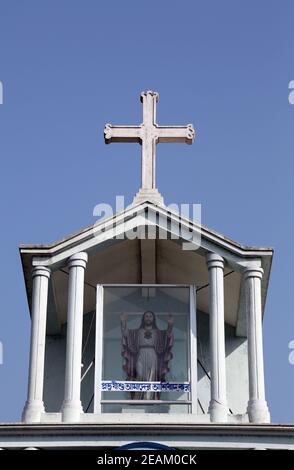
column 137, row 458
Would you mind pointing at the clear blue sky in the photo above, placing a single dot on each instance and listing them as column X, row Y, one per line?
column 68, row 67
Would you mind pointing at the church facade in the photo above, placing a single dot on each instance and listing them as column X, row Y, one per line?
column 146, row 326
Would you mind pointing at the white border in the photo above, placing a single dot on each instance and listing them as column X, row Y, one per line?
column 192, row 350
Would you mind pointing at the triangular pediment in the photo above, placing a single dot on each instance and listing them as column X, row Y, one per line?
column 147, row 244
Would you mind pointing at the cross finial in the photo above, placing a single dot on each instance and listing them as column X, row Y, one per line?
column 149, row 134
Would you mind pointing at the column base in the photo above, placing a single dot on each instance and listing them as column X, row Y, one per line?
column 258, row 411
column 71, row 412
column 32, row 411
column 151, row 195
column 218, row 412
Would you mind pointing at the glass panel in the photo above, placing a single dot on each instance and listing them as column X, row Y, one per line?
column 162, row 408
column 146, row 349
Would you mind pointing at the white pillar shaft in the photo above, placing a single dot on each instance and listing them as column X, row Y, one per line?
column 257, row 406
column 218, row 404
column 34, row 405
column 72, row 407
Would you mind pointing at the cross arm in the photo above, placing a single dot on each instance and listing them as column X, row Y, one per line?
column 180, row 134
column 122, row 133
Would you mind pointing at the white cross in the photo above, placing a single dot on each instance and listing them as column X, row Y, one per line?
column 148, row 134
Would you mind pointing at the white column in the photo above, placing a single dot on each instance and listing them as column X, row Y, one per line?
column 257, row 407
column 218, row 408
column 34, row 405
column 72, row 407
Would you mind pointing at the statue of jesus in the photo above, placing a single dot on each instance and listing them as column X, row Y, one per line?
column 146, row 351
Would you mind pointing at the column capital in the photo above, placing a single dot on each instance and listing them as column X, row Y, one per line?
column 253, row 272
column 41, row 271
column 78, row 259
column 214, row 260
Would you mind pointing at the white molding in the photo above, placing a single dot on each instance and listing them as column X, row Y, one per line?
column 178, row 433
column 135, row 217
